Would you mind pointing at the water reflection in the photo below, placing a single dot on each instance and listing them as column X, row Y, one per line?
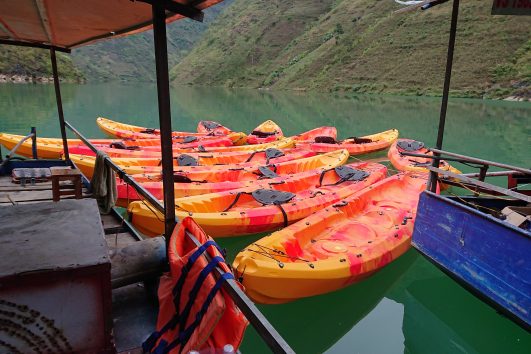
column 442, row 317
column 316, row 324
column 410, row 298
column 489, row 129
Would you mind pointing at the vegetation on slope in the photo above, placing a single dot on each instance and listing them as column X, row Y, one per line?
column 361, row 46
column 132, row 58
column 34, row 62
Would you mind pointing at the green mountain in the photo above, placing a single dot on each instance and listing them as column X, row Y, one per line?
column 132, row 58
column 33, row 62
column 361, row 46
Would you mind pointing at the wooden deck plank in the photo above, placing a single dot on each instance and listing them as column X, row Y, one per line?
column 31, row 197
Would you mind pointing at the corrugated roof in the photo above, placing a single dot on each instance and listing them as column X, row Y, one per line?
column 71, row 23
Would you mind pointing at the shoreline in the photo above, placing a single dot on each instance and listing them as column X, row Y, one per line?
column 30, row 79
column 515, row 97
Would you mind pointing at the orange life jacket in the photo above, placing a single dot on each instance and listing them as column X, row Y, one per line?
column 194, row 312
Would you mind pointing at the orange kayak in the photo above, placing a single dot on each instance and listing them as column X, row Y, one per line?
column 183, row 188
column 187, row 162
column 337, row 246
column 355, row 146
column 266, row 132
column 52, row 148
column 193, row 146
column 122, row 130
column 120, row 150
column 211, row 127
column 413, row 163
column 221, row 173
column 317, row 133
column 252, row 210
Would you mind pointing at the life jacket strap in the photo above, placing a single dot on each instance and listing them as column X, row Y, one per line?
column 150, row 342
column 185, row 335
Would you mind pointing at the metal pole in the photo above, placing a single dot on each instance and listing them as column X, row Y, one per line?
column 444, row 104
column 59, row 102
column 163, row 91
column 34, row 142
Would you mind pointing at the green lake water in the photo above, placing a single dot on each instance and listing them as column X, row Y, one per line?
column 409, row 306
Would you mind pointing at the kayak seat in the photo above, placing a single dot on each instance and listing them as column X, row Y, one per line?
column 264, row 172
column 261, row 134
column 149, row 131
column 186, row 160
column 121, row 145
column 410, row 145
column 345, row 173
column 189, row 139
column 270, row 153
column 325, row 140
column 267, row 197
column 210, row 125
column 357, row 140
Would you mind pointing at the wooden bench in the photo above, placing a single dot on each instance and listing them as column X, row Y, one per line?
column 66, row 174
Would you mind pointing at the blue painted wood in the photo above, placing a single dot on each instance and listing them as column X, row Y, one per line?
column 486, row 254
column 43, row 163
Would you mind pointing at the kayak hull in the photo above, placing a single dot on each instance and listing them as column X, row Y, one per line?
column 416, row 164
column 378, row 141
column 328, row 132
column 122, row 130
column 334, row 247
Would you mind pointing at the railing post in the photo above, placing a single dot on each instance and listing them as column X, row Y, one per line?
column 34, row 142
column 163, row 91
column 432, row 183
column 59, row 102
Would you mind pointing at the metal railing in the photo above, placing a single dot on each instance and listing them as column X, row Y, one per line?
column 264, row 328
column 449, row 177
column 33, row 136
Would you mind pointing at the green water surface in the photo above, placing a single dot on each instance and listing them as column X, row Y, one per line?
column 409, row 306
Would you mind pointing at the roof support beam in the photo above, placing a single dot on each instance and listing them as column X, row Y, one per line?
column 59, row 103
column 432, row 183
column 33, row 45
column 163, row 92
column 41, row 7
column 178, row 8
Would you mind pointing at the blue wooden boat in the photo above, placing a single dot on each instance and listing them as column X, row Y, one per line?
column 487, row 255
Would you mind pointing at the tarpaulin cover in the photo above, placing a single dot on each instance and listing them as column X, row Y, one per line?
column 71, row 23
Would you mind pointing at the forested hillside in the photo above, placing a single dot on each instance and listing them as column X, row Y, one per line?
column 361, row 46
column 132, row 58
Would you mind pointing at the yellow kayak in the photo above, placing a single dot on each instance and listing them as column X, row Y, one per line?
column 264, row 133
column 123, row 130
column 355, row 146
column 52, row 148
column 337, row 246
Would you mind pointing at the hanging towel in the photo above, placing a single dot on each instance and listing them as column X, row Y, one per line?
column 104, row 184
